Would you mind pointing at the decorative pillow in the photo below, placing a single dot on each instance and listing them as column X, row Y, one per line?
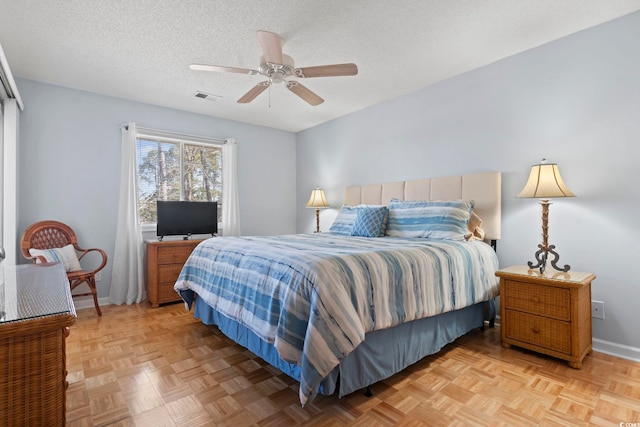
column 369, row 221
column 343, row 224
column 438, row 219
column 476, row 232
column 66, row 255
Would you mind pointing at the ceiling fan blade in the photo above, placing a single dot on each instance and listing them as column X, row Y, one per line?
column 304, row 93
column 271, row 44
column 327, row 71
column 253, row 92
column 203, row 67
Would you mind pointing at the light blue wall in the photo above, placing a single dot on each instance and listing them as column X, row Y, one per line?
column 69, row 163
column 575, row 101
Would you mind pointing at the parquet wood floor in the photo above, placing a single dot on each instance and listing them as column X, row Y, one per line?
column 138, row 366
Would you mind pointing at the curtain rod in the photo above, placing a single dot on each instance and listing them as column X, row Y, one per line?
column 177, row 135
column 6, row 79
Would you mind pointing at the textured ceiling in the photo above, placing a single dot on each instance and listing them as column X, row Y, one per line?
column 141, row 49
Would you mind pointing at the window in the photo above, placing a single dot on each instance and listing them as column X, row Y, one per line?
column 175, row 167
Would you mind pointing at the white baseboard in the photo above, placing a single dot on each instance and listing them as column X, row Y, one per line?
column 610, row 348
column 615, row 349
column 87, row 302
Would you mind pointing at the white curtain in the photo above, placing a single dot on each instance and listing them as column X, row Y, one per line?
column 230, row 201
column 127, row 277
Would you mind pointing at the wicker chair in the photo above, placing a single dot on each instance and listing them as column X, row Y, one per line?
column 53, row 234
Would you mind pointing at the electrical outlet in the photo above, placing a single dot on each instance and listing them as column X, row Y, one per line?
column 597, row 309
column 98, row 276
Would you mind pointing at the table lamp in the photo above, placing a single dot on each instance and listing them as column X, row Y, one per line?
column 318, row 201
column 544, row 183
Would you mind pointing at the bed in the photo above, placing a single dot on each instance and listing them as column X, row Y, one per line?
column 339, row 312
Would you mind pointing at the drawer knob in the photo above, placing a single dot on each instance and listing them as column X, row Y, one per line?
column 535, row 299
column 535, row 330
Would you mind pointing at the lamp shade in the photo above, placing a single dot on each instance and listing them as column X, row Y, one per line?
column 317, row 199
column 545, row 182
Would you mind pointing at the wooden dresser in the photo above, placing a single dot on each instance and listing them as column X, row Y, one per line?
column 164, row 263
column 549, row 313
column 36, row 311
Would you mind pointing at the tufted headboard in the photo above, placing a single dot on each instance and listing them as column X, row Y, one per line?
column 483, row 188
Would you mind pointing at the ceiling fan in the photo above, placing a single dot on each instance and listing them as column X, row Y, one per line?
column 278, row 68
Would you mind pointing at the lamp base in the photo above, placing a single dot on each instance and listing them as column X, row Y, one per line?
column 541, row 257
column 545, row 248
column 317, row 220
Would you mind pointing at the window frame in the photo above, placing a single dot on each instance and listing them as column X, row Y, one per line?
column 181, row 140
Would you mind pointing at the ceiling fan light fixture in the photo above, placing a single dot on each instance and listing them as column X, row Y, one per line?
column 277, row 77
column 269, row 69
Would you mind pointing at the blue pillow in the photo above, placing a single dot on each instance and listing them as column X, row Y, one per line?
column 343, row 224
column 439, row 219
column 369, row 221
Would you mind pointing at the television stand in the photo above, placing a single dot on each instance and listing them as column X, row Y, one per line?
column 165, row 260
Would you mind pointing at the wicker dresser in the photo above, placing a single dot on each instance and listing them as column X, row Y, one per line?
column 549, row 313
column 165, row 260
column 36, row 311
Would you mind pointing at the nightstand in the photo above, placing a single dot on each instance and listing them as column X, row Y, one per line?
column 165, row 260
column 549, row 313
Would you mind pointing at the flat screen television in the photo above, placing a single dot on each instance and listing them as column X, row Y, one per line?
column 179, row 218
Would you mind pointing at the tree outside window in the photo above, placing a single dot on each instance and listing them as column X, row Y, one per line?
column 170, row 169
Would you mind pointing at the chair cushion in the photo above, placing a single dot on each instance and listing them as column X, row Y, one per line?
column 66, row 255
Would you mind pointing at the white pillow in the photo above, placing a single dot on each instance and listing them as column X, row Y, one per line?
column 66, row 255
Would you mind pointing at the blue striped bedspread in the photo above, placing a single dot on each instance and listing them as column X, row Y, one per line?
column 314, row 296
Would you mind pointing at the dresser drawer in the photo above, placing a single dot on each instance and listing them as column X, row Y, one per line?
column 538, row 299
column 174, row 254
column 169, row 273
column 541, row 331
column 166, row 293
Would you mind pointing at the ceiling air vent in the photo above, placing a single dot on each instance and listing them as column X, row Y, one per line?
column 209, row 96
